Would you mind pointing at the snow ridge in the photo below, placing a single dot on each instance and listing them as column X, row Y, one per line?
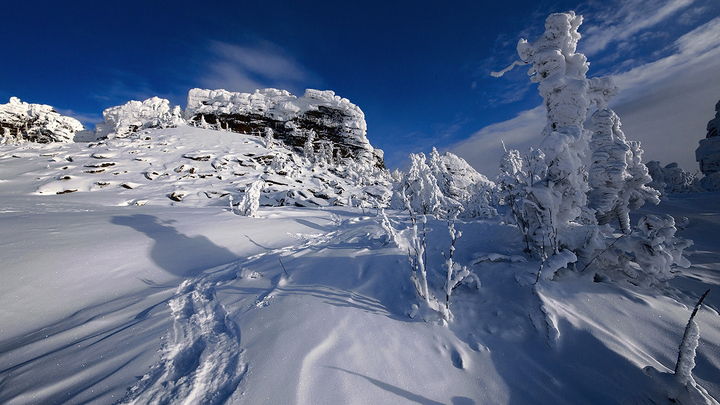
column 203, row 363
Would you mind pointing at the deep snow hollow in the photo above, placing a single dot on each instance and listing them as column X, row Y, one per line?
column 115, row 294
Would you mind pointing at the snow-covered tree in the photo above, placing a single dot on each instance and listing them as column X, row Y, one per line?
column 251, row 199
column 672, row 179
column 555, row 204
column 269, row 138
column 617, row 175
column 308, row 148
column 421, row 190
column 462, row 185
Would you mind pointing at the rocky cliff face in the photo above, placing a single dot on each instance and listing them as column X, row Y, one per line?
column 327, row 120
column 708, row 153
column 20, row 121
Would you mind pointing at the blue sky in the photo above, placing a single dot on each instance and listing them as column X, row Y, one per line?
column 419, row 70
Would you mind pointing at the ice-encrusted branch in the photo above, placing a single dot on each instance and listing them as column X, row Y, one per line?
column 686, row 351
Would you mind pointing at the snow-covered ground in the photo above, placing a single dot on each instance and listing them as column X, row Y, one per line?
column 115, row 293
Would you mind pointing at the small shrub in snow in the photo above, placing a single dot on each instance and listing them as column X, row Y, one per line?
column 456, row 274
column 308, row 148
column 251, row 199
column 269, row 138
column 651, row 247
column 417, row 253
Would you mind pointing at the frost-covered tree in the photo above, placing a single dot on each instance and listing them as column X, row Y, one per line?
column 555, row 204
column 308, row 148
column 419, row 187
column 672, row 179
column 269, row 138
column 518, row 175
column 251, row 199
column 617, row 175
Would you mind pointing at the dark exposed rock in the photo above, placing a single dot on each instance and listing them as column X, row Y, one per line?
column 708, row 153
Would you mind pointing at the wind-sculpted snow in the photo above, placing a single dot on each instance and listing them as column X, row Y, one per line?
column 202, row 361
column 196, row 166
column 20, row 121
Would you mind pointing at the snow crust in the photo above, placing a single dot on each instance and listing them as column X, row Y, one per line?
column 20, row 121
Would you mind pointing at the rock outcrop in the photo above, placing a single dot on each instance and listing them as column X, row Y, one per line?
column 708, row 153
column 124, row 120
column 329, row 121
column 21, row 121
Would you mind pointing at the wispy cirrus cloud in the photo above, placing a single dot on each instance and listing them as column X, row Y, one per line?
column 623, row 21
column 484, row 148
column 244, row 68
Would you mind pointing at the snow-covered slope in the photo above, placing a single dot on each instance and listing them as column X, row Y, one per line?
column 20, row 121
column 193, row 166
column 119, row 294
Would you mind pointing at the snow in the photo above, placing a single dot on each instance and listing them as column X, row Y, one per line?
column 128, row 277
column 105, row 300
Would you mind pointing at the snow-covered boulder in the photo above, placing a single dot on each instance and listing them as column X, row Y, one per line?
column 333, row 120
column 124, row 120
column 21, row 121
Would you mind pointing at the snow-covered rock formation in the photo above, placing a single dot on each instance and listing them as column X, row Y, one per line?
column 708, row 153
column 20, row 121
column 124, row 120
column 336, row 123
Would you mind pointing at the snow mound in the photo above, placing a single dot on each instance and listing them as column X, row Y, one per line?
column 20, row 121
column 124, row 120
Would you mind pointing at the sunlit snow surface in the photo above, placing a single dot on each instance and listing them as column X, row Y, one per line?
column 111, row 294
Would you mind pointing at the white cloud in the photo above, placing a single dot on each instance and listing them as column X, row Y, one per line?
column 623, row 20
column 241, row 68
column 666, row 104
column 484, row 148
